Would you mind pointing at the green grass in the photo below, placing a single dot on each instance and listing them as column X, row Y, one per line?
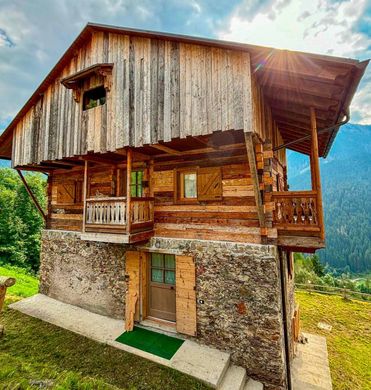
column 33, row 353
column 26, row 284
column 349, row 342
column 32, row 350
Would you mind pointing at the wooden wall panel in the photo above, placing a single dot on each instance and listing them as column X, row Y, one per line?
column 160, row 90
column 233, row 218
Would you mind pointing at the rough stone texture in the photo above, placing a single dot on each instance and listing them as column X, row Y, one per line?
column 90, row 275
column 241, row 313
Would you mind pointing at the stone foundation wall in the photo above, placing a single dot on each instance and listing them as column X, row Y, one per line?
column 90, row 275
column 240, row 287
column 239, row 306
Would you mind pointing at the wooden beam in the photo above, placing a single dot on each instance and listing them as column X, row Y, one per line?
column 254, row 176
column 101, row 160
column 316, row 170
column 84, row 195
column 34, row 199
column 129, row 158
column 165, row 149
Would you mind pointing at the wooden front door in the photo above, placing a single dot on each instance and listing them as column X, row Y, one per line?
column 161, row 286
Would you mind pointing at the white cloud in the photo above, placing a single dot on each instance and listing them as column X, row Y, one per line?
column 317, row 26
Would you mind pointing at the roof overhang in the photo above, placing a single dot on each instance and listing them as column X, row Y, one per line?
column 292, row 82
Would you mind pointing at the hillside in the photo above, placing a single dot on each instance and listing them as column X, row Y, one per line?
column 345, row 177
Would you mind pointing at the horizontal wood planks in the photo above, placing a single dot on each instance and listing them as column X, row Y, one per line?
column 233, row 218
column 160, row 90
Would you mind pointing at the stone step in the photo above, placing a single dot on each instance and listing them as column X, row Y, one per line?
column 204, row 363
column 253, row 385
column 234, row 378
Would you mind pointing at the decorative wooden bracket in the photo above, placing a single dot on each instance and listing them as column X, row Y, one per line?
column 75, row 81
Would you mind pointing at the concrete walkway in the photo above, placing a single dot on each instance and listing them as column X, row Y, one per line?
column 310, row 368
column 203, row 363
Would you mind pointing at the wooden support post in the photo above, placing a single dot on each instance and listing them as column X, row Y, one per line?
column 85, row 191
column 254, row 176
column 35, row 201
column 316, row 171
column 129, row 157
column 151, row 187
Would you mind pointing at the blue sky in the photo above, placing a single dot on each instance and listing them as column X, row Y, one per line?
column 34, row 34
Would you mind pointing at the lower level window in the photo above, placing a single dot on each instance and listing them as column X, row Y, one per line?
column 163, row 268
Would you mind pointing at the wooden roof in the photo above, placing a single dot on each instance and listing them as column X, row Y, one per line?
column 292, row 82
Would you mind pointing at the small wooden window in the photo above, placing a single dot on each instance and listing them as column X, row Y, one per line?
column 136, row 184
column 200, row 184
column 94, row 98
column 186, row 185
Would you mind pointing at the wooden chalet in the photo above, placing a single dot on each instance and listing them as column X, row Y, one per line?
column 147, row 136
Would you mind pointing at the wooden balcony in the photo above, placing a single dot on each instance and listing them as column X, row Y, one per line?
column 298, row 220
column 109, row 219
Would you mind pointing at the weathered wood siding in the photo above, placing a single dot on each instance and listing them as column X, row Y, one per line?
column 66, row 194
column 160, row 90
column 234, row 218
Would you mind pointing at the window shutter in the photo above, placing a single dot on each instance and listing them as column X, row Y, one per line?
column 209, row 184
column 66, row 193
column 185, row 295
column 132, row 289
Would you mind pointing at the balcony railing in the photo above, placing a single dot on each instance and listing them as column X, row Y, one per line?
column 111, row 212
column 106, row 211
column 295, row 210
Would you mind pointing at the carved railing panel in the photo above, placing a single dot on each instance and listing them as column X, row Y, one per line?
column 112, row 211
column 295, row 209
column 106, row 211
column 141, row 210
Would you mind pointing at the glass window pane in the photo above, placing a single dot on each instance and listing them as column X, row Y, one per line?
column 170, row 261
column 170, row 277
column 190, row 185
column 157, row 275
column 157, row 260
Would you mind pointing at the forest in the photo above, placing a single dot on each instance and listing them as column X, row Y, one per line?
column 21, row 224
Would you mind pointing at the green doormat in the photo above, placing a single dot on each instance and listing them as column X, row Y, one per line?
column 152, row 342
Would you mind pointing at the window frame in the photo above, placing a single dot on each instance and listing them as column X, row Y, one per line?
column 179, row 185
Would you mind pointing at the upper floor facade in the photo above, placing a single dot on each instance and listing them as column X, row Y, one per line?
column 143, row 133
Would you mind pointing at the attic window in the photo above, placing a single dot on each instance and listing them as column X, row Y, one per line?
column 94, row 98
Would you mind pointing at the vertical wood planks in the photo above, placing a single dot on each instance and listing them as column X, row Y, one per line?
column 160, row 90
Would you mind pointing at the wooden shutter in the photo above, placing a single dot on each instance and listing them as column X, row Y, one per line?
column 186, row 295
column 132, row 289
column 66, row 193
column 209, row 184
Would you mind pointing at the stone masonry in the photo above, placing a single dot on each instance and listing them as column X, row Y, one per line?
column 90, row 275
column 239, row 307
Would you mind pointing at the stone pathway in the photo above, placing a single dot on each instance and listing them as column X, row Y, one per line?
column 310, row 368
column 204, row 363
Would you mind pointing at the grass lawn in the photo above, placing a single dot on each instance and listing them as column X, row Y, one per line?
column 26, row 284
column 349, row 342
column 34, row 353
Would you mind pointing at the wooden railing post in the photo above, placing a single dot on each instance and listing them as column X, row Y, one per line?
column 316, row 180
column 129, row 157
column 84, row 193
